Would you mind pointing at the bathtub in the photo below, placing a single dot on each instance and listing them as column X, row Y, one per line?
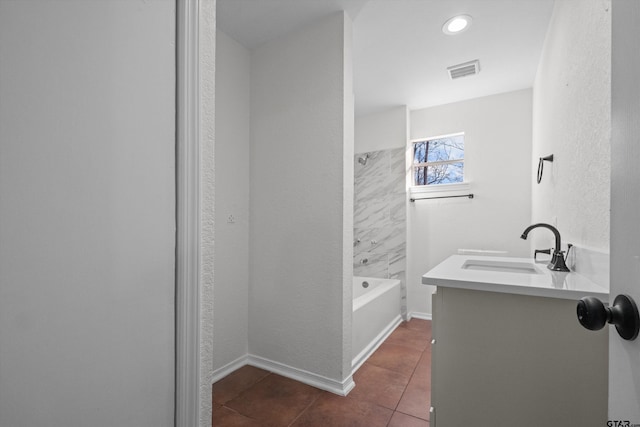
column 376, row 313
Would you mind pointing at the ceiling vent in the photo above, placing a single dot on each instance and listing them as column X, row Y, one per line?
column 463, row 70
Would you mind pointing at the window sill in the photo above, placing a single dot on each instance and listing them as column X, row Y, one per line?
column 441, row 189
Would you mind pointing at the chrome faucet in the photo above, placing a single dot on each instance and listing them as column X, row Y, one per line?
column 557, row 259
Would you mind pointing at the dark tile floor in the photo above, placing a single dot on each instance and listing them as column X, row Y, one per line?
column 393, row 388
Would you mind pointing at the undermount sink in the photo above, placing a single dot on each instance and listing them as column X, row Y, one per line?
column 500, row 266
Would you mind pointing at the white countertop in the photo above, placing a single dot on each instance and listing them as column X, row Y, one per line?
column 543, row 283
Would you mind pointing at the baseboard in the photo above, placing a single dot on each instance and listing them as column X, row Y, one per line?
column 340, row 388
column 418, row 315
column 222, row 372
column 374, row 344
column 318, row 381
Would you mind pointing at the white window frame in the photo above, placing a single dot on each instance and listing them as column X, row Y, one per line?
column 445, row 189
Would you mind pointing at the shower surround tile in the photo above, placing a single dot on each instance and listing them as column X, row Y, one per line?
column 369, row 188
column 397, row 161
column 398, row 208
column 361, row 239
column 377, row 164
column 395, row 241
column 378, row 186
column 380, row 210
column 369, row 264
column 370, row 214
column 387, row 240
column 397, row 262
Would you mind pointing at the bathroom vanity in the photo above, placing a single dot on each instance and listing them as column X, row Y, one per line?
column 507, row 347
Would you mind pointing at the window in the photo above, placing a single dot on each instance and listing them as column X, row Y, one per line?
column 438, row 160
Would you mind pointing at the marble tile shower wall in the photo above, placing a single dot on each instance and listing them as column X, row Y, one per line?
column 380, row 238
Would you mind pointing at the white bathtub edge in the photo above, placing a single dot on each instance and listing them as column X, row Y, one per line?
column 378, row 290
column 318, row 381
column 373, row 345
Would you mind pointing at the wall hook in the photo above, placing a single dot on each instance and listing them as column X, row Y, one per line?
column 549, row 158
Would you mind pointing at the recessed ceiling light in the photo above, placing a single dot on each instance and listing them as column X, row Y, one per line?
column 457, row 24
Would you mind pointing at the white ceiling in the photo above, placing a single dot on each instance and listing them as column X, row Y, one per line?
column 400, row 55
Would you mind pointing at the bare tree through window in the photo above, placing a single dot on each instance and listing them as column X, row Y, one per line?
column 439, row 160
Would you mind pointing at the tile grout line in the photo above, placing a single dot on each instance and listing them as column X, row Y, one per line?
column 240, row 413
column 306, row 408
column 405, row 390
column 224, row 405
column 241, row 393
column 410, row 377
column 412, row 416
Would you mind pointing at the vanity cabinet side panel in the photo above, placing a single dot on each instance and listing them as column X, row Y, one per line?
column 503, row 359
column 436, row 302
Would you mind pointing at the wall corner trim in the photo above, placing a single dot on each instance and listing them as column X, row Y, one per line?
column 187, row 281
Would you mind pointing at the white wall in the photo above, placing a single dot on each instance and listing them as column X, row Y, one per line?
column 231, row 267
column 348, row 142
column 572, row 121
column 382, row 131
column 87, row 213
column 497, row 163
column 300, row 196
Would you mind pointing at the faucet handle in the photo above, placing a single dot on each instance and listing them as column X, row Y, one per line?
column 540, row 251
